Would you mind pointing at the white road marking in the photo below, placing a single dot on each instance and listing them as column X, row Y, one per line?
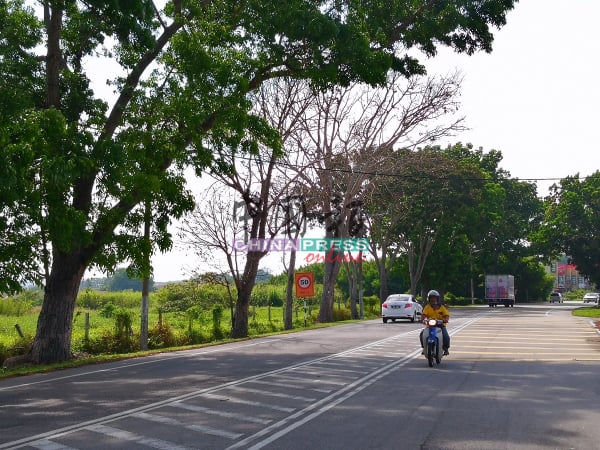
column 216, row 412
column 228, row 398
column 133, row 437
column 291, row 386
column 45, row 444
column 194, row 427
column 271, row 394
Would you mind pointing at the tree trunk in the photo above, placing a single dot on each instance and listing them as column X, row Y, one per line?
column 354, row 270
column 332, row 267
column 52, row 341
column 289, row 294
column 361, row 309
column 417, row 259
column 146, row 280
column 246, row 284
column 240, row 324
column 384, row 264
column 383, row 280
column 144, row 319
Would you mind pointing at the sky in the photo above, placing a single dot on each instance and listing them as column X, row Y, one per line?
column 535, row 98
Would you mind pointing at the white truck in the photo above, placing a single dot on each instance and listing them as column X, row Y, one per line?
column 500, row 290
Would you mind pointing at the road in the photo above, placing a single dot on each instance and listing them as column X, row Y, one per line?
column 517, row 378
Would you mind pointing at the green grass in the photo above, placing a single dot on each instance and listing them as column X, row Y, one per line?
column 258, row 325
column 90, row 360
column 587, row 311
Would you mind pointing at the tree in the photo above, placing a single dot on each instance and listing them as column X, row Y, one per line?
column 262, row 190
column 121, row 281
column 492, row 236
column 77, row 171
column 425, row 196
column 572, row 223
column 347, row 136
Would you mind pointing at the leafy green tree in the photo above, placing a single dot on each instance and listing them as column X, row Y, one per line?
column 431, row 196
column 492, row 236
column 370, row 279
column 121, row 281
column 532, row 283
column 572, row 223
column 77, row 171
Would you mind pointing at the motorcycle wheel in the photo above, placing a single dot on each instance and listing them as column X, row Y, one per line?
column 430, row 353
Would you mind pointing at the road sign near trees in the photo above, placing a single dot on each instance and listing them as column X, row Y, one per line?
column 305, row 284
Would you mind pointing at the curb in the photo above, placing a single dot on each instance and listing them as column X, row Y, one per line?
column 595, row 324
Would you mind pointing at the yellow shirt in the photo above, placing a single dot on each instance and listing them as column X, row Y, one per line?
column 438, row 314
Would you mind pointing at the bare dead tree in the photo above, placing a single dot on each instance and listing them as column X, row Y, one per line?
column 347, row 137
column 212, row 230
column 258, row 185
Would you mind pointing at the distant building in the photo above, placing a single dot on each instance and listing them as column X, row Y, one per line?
column 567, row 277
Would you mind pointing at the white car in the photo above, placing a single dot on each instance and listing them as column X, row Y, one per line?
column 401, row 306
column 591, row 297
column 555, row 297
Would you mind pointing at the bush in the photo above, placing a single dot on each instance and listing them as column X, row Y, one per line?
column 123, row 322
column 108, row 310
column 217, row 315
column 18, row 347
column 371, row 303
column 342, row 313
column 161, row 336
column 179, row 297
column 452, row 300
column 276, row 298
column 255, row 328
column 91, row 299
column 13, row 306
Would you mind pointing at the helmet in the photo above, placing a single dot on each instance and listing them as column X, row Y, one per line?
column 434, row 297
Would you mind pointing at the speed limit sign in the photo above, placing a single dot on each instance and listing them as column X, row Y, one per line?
column 305, row 285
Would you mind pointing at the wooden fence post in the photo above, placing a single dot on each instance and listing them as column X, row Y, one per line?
column 19, row 330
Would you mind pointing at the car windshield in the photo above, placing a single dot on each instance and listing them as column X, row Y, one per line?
column 399, row 298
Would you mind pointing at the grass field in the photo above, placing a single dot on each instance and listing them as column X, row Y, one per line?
column 260, row 318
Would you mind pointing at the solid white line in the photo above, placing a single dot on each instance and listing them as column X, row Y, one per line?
column 351, row 353
column 331, row 401
column 322, row 405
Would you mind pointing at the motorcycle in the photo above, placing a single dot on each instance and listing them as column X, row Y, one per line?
column 432, row 341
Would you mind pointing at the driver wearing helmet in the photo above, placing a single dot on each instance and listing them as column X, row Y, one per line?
column 435, row 310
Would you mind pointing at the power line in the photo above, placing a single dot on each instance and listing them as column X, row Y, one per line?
column 395, row 175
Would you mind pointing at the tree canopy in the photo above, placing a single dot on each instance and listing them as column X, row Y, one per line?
column 572, row 223
column 77, row 170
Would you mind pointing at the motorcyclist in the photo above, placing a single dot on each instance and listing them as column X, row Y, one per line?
column 435, row 310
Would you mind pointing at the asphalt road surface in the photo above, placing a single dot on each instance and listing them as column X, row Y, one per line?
column 526, row 377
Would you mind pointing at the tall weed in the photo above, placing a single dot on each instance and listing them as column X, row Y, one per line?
column 15, row 307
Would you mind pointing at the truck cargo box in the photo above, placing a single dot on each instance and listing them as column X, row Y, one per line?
column 500, row 290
